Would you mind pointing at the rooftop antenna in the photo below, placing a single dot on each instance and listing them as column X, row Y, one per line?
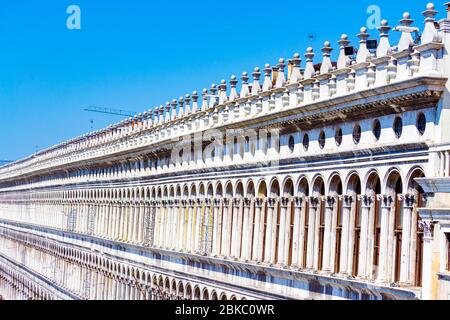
column 117, row 112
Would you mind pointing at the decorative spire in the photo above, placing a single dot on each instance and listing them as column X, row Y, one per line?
column 309, row 69
column 244, row 87
column 363, row 52
column 223, row 92
column 281, row 78
column 343, row 60
column 194, row 102
column 180, row 107
column 156, row 119
column 267, row 85
column 149, row 118
column 430, row 34
column 256, row 87
column 204, row 99
column 296, row 76
column 168, row 107
column 213, row 97
column 161, row 114
column 384, row 47
column 326, row 62
column 187, row 110
column 233, row 84
column 406, row 39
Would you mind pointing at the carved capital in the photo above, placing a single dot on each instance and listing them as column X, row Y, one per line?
column 409, row 200
column 330, row 201
column 427, row 226
column 285, row 201
column 386, row 201
column 216, row 202
column 259, row 202
column 271, row 202
column 314, row 201
column 247, row 202
column 298, row 201
column 366, row 200
column 348, row 200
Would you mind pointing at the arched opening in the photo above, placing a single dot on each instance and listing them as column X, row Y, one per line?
column 415, row 198
column 250, row 189
column 205, row 295
column 197, row 293
column 354, row 190
column 373, row 189
column 394, row 187
column 214, row 296
column 262, row 190
column 319, row 192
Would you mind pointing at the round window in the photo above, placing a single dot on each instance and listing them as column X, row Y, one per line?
column 357, row 134
column 291, row 143
column 306, row 142
column 421, row 123
column 338, row 136
column 398, row 127
column 322, row 139
column 376, row 130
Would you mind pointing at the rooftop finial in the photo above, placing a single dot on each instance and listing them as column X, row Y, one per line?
column 194, row 102
column 406, row 39
column 309, row 69
column 223, row 92
column 343, row 60
column 187, row 109
column 256, row 87
column 180, row 107
column 244, row 88
column 281, row 78
column 233, row 92
column 295, row 74
column 363, row 52
column 430, row 34
column 384, row 47
column 326, row 61
column 204, row 99
column 267, row 85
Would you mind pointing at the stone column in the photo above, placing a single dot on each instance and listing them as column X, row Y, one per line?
column 296, row 234
column 405, row 266
column 268, row 256
column 198, row 225
column 190, row 231
column 346, row 229
column 427, row 262
column 317, row 233
column 227, row 229
column 366, row 229
column 207, row 228
column 283, row 236
column 313, row 208
column 142, row 216
column 246, row 242
column 176, row 230
column 234, row 228
column 183, row 225
column 386, row 203
column 328, row 255
column 217, row 227
column 258, row 234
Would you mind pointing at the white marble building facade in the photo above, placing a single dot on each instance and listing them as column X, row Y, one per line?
column 299, row 185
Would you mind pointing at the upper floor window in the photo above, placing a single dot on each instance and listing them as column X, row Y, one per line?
column 291, row 143
column 306, row 142
column 322, row 139
column 398, row 127
column 357, row 134
column 338, row 136
column 376, row 130
column 421, row 123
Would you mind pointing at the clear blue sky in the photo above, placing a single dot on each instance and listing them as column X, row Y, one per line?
column 137, row 54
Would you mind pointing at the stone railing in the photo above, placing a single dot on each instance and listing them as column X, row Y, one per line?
column 280, row 91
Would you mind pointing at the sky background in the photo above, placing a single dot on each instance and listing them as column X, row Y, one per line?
column 135, row 54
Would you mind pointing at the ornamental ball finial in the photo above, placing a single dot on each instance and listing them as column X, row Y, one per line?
column 296, row 55
column 244, row 74
column 406, row 15
column 267, row 65
column 233, row 77
column 187, row 96
column 363, row 30
column 205, row 91
column 327, row 44
column 281, row 60
column 310, row 49
column 344, row 36
column 430, row 6
column 256, row 69
column 384, row 22
column 194, row 93
column 223, row 81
